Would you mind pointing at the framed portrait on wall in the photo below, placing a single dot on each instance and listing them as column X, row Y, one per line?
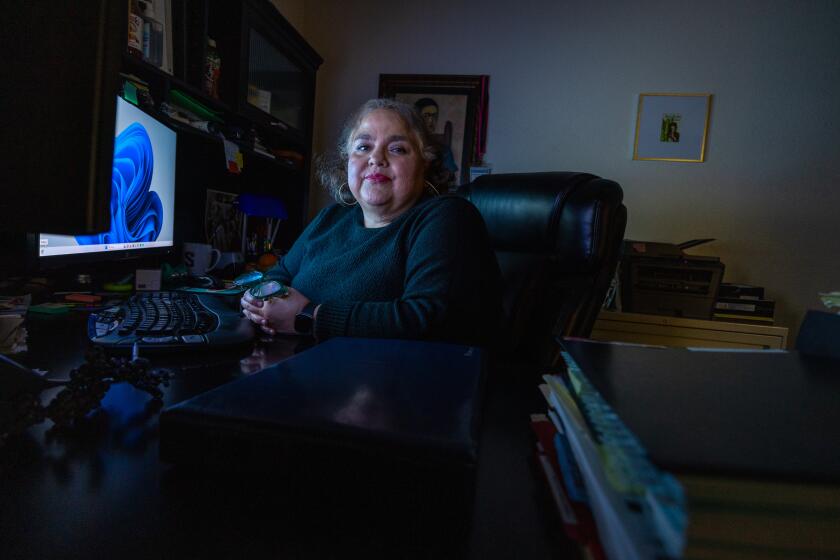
column 454, row 109
column 672, row 127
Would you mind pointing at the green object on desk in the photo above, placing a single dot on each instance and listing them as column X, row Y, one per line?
column 233, row 291
column 117, row 287
column 123, row 285
column 248, row 278
column 50, row 308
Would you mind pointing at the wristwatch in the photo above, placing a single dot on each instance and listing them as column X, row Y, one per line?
column 305, row 320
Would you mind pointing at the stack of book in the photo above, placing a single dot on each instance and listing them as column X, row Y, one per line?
column 613, row 501
column 563, row 479
column 742, row 302
column 684, row 457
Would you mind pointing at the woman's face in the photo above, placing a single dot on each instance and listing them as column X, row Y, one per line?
column 385, row 167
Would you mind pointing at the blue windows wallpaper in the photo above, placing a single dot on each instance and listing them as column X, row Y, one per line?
column 142, row 190
column 136, row 211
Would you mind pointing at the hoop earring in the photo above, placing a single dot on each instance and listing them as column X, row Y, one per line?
column 342, row 199
column 431, row 186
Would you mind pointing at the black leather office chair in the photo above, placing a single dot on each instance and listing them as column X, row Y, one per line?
column 557, row 236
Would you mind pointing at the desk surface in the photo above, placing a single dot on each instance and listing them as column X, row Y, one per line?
column 761, row 414
column 101, row 491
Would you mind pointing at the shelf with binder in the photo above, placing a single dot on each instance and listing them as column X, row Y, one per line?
column 272, row 150
column 232, row 102
column 281, row 163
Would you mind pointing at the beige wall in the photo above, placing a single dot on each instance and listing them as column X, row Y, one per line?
column 294, row 11
column 564, row 83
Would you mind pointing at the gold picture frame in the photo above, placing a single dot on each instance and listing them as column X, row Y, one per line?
column 672, row 127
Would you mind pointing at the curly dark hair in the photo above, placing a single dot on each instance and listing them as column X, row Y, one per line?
column 331, row 167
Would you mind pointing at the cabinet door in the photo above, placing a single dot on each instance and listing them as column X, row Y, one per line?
column 276, row 85
column 277, row 75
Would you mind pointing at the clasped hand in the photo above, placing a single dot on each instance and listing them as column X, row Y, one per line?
column 275, row 315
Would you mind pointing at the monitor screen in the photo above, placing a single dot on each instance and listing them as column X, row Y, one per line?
column 142, row 191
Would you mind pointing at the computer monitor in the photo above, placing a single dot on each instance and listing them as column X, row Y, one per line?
column 142, row 196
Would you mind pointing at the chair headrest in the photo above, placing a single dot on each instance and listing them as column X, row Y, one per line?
column 551, row 213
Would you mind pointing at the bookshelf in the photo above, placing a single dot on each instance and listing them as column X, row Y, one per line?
column 640, row 328
column 257, row 48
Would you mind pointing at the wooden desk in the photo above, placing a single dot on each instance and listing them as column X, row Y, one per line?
column 661, row 330
column 100, row 491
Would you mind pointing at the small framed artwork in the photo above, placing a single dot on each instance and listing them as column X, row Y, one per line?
column 454, row 109
column 222, row 221
column 672, row 127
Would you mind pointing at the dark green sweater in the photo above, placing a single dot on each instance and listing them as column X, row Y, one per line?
column 430, row 274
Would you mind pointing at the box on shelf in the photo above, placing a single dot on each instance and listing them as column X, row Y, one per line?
column 259, row 98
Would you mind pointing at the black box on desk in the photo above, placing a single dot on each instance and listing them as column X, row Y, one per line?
column 384, row 417
column 659, row 278
column 376, row 437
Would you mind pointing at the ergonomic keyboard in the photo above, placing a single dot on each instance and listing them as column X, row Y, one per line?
column 170, row 321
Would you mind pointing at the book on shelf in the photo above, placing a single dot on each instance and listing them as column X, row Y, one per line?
column 756, row 309
column 743, row 302
column 711, row 455
column 740, row 291
column 150, row 32
column 759, row 307
column 163, row 9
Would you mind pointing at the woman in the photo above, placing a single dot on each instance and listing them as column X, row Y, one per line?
column 391, row 259
column 673, row 135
